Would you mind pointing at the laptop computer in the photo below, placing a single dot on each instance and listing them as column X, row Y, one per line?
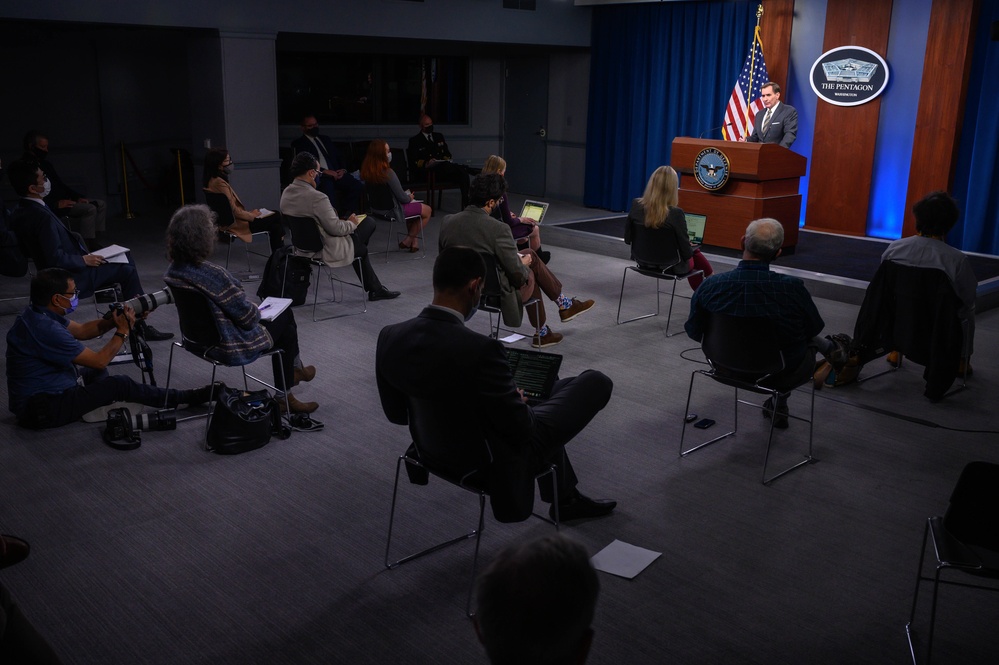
column 534, row 372
column 695, row 227
column 535, row 210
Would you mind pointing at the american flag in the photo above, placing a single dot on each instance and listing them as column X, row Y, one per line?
column 739, row 119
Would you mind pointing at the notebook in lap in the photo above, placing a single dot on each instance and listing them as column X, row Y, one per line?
column 695, row 227
column 534, row 372
column 534, row 210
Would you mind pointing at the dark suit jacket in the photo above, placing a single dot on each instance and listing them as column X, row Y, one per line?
column 45, row 239
column 463, row 383
column 783, row 127
column 421, row 151
column 333, row 159
column 60, row 190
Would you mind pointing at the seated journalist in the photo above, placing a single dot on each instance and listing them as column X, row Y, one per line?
column 343, row 239
column 47, row 241
column 435, row 357
column 53, row 378
column 522, row 275
column 244, row 336
column 218, row 166
column 753, row 290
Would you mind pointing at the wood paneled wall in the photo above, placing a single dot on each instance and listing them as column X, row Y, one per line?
column 775, row 31
column 839, row 189
column 946, row 69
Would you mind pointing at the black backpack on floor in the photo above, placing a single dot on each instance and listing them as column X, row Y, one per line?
column 295, row 282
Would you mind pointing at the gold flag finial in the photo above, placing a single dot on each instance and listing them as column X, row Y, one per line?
column 759, row 12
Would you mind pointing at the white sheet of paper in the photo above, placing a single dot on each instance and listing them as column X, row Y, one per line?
column 264, row 212
column 272, row 307
column 510, row 339
column 113, row 254
column 624, row 560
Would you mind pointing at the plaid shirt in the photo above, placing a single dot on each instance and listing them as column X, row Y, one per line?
column 752, row 290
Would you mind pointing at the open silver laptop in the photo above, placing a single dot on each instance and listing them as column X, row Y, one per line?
column 535, row 210
column 695, row 227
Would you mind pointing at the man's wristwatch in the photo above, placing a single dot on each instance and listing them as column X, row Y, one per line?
column 119, row 333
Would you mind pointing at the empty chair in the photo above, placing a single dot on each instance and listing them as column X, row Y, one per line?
column 965, row 543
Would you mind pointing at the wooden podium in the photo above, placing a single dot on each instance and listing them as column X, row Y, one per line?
column 763, row 182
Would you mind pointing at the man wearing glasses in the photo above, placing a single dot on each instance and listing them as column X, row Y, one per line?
column 54, row 379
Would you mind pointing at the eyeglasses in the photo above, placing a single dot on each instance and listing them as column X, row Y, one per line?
column 74, row 294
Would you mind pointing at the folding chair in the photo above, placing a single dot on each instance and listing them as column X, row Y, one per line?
column 492, row 297
column 199, row 337
column 742, row 353
column 308, row 243
column 384, row 206
column 224, row 218
column 459, row 455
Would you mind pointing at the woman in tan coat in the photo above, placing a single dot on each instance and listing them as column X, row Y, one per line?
column 218, row 166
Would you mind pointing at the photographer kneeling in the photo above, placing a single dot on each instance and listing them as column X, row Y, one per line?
column 53, row 379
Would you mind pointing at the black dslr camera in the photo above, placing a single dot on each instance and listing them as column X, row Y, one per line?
column 122, row 431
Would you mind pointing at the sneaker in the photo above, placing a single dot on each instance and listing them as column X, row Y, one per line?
column 780, row 420
column 840, row 352
column 551, row 339
column 575, row 309
column 301, row 422
column 297, row 406
column 303, row 374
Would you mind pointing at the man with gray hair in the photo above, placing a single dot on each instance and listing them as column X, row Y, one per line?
column 536, row 603
column 753, row 290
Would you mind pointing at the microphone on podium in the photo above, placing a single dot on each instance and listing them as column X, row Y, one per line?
column 715, row 129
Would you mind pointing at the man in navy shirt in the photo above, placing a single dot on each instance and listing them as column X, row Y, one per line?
column 53, row 378
column 753, row 290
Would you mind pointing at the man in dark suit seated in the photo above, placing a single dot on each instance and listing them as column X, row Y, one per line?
column 428, row 151
column 46, row 240
column 63, row 199
column 435, row 357
column 335, row 177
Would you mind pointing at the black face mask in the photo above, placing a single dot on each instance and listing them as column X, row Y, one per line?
column 39, row 153
column 429, row 130
column 312, row 131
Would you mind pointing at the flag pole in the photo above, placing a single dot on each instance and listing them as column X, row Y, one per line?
column 752, row 68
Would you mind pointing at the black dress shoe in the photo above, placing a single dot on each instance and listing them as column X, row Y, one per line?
column 577, row 507
column 12, row 550
column 544, row 255
column 151, row 334
column 382, row 294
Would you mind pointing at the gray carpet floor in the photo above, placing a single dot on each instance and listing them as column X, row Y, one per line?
column 169, row 554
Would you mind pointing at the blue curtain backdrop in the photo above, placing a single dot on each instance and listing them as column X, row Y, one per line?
column 976, row 182
column 657, row 71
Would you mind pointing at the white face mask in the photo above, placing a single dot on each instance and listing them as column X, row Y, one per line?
column 46, row 188
column 390, row 156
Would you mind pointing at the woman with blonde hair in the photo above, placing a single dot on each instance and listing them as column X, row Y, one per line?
column 375, row 169
column 663, row 225
column 525, row 230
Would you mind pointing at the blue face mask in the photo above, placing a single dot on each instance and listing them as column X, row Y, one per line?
column 73, row 302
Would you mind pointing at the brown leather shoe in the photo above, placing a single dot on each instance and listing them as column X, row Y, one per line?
column 575, row 309
column 303, row 374
column 12, row 550
column 551, row 339
column 296, row 406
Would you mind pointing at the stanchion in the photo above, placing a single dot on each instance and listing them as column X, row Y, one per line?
column 124, row 179
column 180, row 177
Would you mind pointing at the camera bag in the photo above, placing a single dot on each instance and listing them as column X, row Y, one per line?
column 243, row 421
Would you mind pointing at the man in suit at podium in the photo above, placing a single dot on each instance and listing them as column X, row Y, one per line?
column 777, row 123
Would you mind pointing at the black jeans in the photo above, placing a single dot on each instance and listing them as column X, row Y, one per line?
column 361, row 235
column 284, row 331
column 45, row 410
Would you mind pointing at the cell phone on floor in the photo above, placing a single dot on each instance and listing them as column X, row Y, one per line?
column 704, row 423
